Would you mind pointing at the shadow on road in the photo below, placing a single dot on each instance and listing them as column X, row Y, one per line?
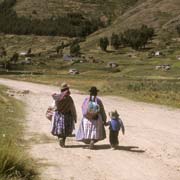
column 76, row 146
column 107, row 146
column 130, row 148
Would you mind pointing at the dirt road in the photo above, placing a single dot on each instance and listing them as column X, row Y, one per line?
column 150, row 149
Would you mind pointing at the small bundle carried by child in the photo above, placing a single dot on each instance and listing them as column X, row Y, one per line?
column 93, row 108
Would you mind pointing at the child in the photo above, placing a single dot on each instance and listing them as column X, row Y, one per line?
column 115, row 124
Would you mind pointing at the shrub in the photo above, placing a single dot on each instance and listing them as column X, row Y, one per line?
column 104, row 42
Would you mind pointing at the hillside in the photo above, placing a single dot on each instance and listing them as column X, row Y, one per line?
column 83, row 17
column 163, row 15
column 156, row 13
column 48, row 8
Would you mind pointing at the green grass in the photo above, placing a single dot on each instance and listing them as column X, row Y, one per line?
column 153, row 89
column 135, row 78
column 14, row 162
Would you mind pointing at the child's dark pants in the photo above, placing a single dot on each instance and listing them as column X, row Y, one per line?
column 113, row 137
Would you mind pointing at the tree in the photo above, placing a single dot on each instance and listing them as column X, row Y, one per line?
column 6, row 62
column 178, row 29
column 29, row 51
column 2, row 52
column 137, row 38
column 115, row 42
column 14, row 57
column 75, row 49
column 104, row 42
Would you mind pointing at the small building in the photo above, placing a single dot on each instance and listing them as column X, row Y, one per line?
column 164, row 67
column 67, row 57
column 112, row 65
column 158, row 53
column 22, row 53
column 73, row 71
column 178, row 57
column 28, row 59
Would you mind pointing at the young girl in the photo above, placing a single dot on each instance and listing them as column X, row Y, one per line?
column 115, row 124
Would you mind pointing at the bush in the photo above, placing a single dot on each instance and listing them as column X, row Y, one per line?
column 178, row 29
column 75, row 49
column 104, row 42
column 135, row 38
column 115, row 42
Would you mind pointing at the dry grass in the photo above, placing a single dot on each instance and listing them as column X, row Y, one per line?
column 38, row 44
column 14, row 162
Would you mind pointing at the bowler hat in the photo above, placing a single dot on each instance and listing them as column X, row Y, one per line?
column 114, row 115
column 64, row 86
column 93, row 89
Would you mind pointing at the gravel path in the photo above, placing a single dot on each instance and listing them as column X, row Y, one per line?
column 150, row 149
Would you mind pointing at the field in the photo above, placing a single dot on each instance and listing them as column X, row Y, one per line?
column 14, row 162
column 136, row 76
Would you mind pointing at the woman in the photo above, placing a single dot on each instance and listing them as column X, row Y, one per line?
column 64, row 116
column 92, row 128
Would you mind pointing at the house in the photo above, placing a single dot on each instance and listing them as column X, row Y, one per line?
column 158, row 53
column 164, row 67
column 178, row 57
column 67, row 57
column 22, row 53
column 112, row 65
column 73, row 71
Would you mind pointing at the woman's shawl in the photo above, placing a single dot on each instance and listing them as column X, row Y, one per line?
column 65, row 104
column 99, row 102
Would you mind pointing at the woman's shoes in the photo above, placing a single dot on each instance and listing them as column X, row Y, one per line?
column 91, row 145
column 62, row 142
column 114, row 147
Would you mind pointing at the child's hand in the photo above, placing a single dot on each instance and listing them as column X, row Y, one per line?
column 106, row 124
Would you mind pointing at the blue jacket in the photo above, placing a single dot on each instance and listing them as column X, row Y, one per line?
column 116, row 125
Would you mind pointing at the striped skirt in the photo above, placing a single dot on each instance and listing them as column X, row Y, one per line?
column 62, row 124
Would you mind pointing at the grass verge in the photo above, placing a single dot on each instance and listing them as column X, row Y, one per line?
column 14, row 162
column 158, row 91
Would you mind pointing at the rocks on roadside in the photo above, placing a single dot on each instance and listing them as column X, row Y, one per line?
column 16, row 92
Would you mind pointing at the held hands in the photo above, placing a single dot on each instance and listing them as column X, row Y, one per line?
column 106, row 123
